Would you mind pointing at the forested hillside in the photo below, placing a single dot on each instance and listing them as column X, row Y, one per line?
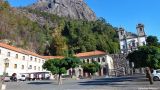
column 57, row 35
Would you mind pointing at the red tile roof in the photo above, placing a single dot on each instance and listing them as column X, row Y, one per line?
column 92, row 53
column 85, row 54
column 53, row 57
column 19, row 50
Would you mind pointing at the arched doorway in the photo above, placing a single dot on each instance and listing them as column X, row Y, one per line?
column 70, row 73
column 104, row 71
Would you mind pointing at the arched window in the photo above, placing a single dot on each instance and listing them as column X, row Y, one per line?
column 92, row 59
column 99, row 60
column 87, row 60
column 22, row 66
column 103, row 59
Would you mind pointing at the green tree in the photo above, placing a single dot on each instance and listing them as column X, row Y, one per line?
column 72, row 62
column 56, row 67
column 60, row 66
column 146, row 56
column 91, row 68
column 152, row 41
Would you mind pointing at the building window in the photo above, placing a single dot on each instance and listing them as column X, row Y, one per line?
column 39, row 68
column 43, row 61
column 6, row 65
column 23, row 57
column 22, row 66
column 39, row 60
column 35, row 59
column 30, row 66
column 8, row 54
column 92, row 60
column 123, row 46
column 121, row 32
column 103, row 59
column 34, row 67
column 141, row 29
column 15, row 66
column 31, row 58
column 16, row 55
column 133, row 43
column 87, row 60
column 99, row 60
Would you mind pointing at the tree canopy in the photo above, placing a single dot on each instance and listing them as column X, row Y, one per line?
column 147, row 56
column 91, row 68
column 152, row 41
column 60, row 66
column 23, row 28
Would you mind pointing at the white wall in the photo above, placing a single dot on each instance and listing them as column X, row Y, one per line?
column 19, row 61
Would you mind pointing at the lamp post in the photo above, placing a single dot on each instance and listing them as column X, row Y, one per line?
column 6, row 64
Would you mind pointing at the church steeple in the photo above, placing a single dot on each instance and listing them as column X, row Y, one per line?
column 140, row 30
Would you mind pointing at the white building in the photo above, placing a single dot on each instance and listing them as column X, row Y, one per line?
column 20, row 61
column 130, row 41
column 101, row 57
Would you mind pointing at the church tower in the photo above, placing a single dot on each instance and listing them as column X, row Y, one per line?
column 121, row 33
column 140, row 30
column 141, row 35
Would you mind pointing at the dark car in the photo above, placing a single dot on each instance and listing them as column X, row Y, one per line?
column 13, row 77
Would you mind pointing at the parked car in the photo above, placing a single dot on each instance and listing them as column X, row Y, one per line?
column 22, row 78
column 7, row 78
column 156, row 75
column 13, row 77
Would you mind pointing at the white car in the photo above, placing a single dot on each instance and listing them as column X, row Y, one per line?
column 21, row 77
column 156, row 75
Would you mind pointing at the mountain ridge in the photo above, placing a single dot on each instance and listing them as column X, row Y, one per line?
column 75, row 9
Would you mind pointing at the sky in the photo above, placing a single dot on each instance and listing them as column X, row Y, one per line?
column 122, row 13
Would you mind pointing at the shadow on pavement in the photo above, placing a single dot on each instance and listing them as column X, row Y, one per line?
column 40, row 83
column 114, row 81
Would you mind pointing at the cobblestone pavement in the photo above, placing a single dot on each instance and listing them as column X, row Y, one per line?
column 121, row 83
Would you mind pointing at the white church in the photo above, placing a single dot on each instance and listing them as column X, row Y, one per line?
column 130, row 41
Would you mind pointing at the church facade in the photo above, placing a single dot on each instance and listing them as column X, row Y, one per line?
column 131, row 41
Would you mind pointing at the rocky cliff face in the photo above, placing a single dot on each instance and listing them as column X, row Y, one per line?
column 75, row 9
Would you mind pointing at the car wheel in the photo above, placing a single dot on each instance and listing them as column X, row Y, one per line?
column 155, row 78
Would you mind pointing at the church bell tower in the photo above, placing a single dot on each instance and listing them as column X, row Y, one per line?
column 140, row 30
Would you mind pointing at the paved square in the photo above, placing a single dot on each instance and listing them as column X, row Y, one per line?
column 121, row 83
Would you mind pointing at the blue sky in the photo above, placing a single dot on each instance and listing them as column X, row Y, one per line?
column 122, row 13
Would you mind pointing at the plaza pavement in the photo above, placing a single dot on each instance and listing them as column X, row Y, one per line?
column 137, row 82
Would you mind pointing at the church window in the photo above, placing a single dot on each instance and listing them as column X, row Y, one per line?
column 140, row 29
column 121, row 32
column 123, row 46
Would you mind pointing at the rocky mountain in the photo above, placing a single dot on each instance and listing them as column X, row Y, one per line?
column 49, row 34
column 75, row 9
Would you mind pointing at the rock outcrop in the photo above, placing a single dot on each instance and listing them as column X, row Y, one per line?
column 75, row 9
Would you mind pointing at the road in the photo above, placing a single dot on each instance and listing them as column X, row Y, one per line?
column 136, row 82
